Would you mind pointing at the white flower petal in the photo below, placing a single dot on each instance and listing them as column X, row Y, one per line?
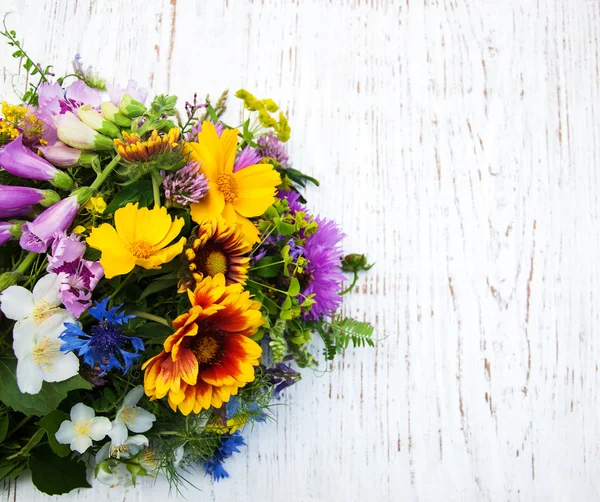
column 64, row 367
column 101, row 426
column 142, row 422
column 133, row 396
column 46, row 289
column 81, row 444
column 29, row 376
column 135, row 444
column 103, row 453
column 24, row 338
column 55, row 324
column 118, row 433
column 81, row 412
column 66, row 432
column 16, row 302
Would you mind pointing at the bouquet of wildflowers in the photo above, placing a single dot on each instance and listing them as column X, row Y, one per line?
column 162, row 279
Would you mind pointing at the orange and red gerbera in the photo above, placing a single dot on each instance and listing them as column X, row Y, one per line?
column 210, row 355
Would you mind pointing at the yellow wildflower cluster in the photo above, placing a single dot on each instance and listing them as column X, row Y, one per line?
column 265, row 107
column 133, row 149
column 19, row 120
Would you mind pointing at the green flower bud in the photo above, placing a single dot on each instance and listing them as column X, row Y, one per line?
column 130, row 107
column 8, row 279
column 92, row 118
column 62, row 180
column 83, row 194
column 355, row 262
column 111, row 112
column 50, row 197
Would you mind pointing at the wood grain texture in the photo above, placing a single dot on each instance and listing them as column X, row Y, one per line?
column 457, row 143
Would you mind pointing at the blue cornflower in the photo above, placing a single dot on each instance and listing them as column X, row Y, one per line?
column 233, row 406
column 107, row 346
column 229, row 445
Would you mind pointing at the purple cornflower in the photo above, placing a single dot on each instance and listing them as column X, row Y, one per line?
column 247, row 157
column 78, row 277
column 322, row 274
column 270, row 146
column 186, row 186
column 107, row 346
column 38, row 234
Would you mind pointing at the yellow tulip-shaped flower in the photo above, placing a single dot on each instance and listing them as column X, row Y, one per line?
column 236, row 196
column 141, row 238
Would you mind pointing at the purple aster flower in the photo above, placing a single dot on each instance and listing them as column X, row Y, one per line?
column 229, row 445
column 270, row 146
column 38, row 234
column 15, row 198
column 293, row 199
column 107, row 346
column 116, row 93
column 78, row 277
column 247, row 157
column 322, row 274
column 186, row 186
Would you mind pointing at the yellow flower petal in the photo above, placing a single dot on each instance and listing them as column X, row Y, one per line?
column 173, row 232
column 116, row 258
column 256, row 187
column 209, row 207
column 162, row 256
column 249, row 231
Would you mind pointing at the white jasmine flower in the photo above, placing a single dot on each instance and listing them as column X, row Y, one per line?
column 82, row 428
column 131, row 417
column 127, row 449
column 39, row 358
column 22, row 305
column 113, row 475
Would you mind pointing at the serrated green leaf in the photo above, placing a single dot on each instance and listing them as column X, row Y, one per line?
column 56, row 475
column 39, row 404
column 50, row 424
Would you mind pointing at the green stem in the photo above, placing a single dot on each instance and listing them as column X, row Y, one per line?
column 121, row 286
column 155, row 188
column 104, row 174
column 351, row 287
column 256, row 248
column 26, row 263
column 151, row 317
column 18, row 426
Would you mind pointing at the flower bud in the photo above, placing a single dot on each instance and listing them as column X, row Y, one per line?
column 75, row 133
column 82, row 195
column 22, row 162
column 61, row 155
column 13, row 198
column 355, row 262
column 112, row 113
column 92, row 118
column 130, row 107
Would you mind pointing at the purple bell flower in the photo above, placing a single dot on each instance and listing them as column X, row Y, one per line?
column 15, row 213
column 61, row 155
column 39, row 234
column 22, row 162
column 15, row 198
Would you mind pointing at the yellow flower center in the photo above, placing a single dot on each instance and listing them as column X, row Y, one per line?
column 206, row 349
column 42, row 311
column 141, row 249
column 216, row 263
column 45, row 352
column 117, row 451
column 129, row 414
column 83, row 427
column 227, row 186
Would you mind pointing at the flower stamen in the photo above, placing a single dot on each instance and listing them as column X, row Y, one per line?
column 227, row 186
column 45, row 352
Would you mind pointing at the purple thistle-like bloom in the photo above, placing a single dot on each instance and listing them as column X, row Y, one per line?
column 107, row 346
column 293, row 199
column 270, row 146
column 247, row 157
column 186, row 186
column 22, row 162
column 78, row 277
column 38, row 234
column 323, row 275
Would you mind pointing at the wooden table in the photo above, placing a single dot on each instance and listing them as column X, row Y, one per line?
column 456, row 142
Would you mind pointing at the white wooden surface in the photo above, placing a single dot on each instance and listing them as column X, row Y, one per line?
column 457, row 143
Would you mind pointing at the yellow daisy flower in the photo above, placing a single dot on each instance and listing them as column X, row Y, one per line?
column 141, row 238
column 236, row 196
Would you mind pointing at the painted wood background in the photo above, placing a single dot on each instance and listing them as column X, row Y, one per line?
column 457, row 144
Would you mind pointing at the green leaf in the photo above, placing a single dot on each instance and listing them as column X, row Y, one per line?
column 283, row 227
column 140, row 191
column 35, row 439
column 50, row 424
column 39, row 404
column 263, row 267
column 158, row 285
column 154, row 331
column 54, row 475
column 3, row 427
column 287, row 303
column 294, row 288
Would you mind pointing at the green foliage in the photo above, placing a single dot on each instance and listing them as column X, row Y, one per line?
column 264, row 108
column 338, row 334
column 50, row 425
column 140, row 192
column 163, row 106
column 278, row 343
column 39, row 404
column 56, row 475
